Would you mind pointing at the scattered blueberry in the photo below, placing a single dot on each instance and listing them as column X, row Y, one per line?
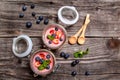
column 32, row 6
column 48, row 67
column 46, row 21
column 37, row 58
column 62, row 54
column 48, row 56
column 76, row 61
column 24, row 8
column 66, row 56
column 38, row 21
column 21, row 15
column 40, row 18
column 74, row 73
column 28, row 24
column 73, row 63
column 41, row 61
column 33, row 14
column 56, row 28
column 54, row 35
column 61, row 39
column 87, row 73
column 50, row 42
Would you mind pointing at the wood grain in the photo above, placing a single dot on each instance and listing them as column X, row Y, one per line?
column 102, row 62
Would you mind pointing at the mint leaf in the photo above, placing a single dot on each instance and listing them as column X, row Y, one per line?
column 80, row 53
column 44, row 64
column 50, row 37
column 41, row 67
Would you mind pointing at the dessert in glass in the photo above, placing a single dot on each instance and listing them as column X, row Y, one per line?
column 42, row 62
column 54, row 36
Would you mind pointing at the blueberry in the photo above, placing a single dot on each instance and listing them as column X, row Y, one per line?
column 62, row 54
column 38, row 21
column 56, row 28
column 73, row 63
column 87, row 73
column 61, row 39
column 48, row 67
column 50, row 42
column 37, row 58
column 46, row 21
column 76, row 61
column 33, row 14
column 24, row 8
column 28, row 24
column 41, row 61
column 74, row 73
column 48, row 56
column 54, row 35
column 40, row 18
column 32, row 6
column 21, row 15
column 66, row 56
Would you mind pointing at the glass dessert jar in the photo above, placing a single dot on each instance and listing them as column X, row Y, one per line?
column 54, row 36
column 42, row 62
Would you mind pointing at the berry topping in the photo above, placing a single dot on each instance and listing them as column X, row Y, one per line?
column 54, row 35
column 50, row 42
column 61, row 39
column 41, row 61
column 62, row 54
column 38, row 21
column 48, row 67
column 24, row 8
column 37, row 64
column 66, row 56
column 73, row 63
column 42, row 55
column 21, row 15
column 56, row 29
column 33, row 14
column 55, row 41
column 37, row 58
column 40, row 18
column 58, row 34
column 74, row 73
column 48, row 56
column 28, row 24
column 52, row 31
column 32, row 6
column 46, row 21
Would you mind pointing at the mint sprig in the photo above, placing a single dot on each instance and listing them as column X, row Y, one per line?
column 50, row 37
column 80, row 53
column 44, row 64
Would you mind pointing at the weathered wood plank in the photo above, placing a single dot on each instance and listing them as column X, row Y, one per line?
column 104, row 16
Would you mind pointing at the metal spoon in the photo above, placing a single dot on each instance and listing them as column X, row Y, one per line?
column 81, row 39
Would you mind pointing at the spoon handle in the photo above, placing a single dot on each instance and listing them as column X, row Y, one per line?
column 85, row 25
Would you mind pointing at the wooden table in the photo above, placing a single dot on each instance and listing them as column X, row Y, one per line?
column 102, row 63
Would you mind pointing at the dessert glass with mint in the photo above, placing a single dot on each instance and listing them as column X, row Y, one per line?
column 54, row 36
column 42, row 62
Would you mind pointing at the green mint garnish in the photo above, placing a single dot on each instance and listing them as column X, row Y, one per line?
column 80, row 53
column 44, row 64
column 51, row 37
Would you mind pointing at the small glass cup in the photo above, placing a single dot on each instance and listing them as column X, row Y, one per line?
column 45, row 71
column 54, row 36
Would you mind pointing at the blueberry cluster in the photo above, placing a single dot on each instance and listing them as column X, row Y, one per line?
column 65, row 55
column 33, row 14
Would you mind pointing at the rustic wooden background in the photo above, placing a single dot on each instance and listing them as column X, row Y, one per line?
column 102, row 63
